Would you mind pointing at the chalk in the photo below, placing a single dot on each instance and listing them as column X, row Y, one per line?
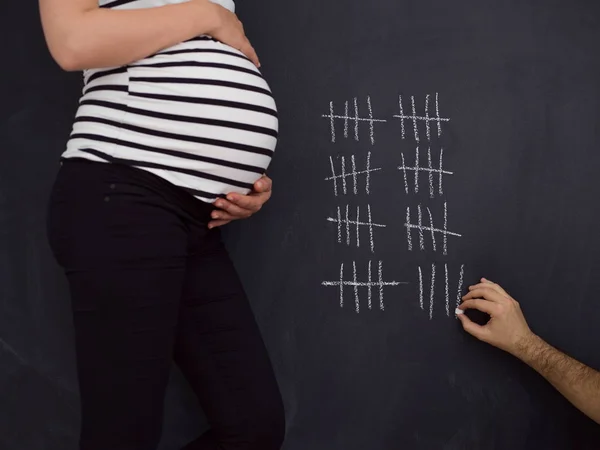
column 458, row 311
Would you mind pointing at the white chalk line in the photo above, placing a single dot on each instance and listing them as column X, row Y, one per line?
column 353, row 118
column 427, row 117
column 342, row 285
column 441, row 172
column 347, row 222
column 421, row 288
column 371, row 122
column 380, row 273
column 401, row 115
column 414, row 115
column 358, row 227
column 339, row 224
column 420, row 228
column 432, row 291
column 356, row 298
column 433, row 242
column 354, row 175
column 435, row 230
column 346, row 119
column 356, row 121
column 430, row 166
column 333, row 177
column 408, row 229
column 417, row 170
column 371, row 225
column 332, row 122
column 343, row 176
column 446, row 228
column 404, row 168
column 447, row 292
column 460, row 285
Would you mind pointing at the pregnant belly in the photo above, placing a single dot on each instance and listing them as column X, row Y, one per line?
column 200, row 108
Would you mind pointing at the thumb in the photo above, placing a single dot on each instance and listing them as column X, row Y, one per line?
column 471, row 327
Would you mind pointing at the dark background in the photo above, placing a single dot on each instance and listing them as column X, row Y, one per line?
column 520, row 81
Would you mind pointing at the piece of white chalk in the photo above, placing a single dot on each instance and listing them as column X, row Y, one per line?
column 458, row 311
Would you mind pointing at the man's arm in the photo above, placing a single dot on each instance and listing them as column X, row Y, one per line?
column 507, row 329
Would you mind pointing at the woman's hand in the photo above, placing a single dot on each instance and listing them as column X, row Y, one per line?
column 238, row 206
column 229, row 30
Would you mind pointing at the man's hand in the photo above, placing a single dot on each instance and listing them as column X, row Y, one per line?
column 507, row 328
column 238, row 206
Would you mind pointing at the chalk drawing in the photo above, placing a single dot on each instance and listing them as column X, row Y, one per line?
column 447, row 291
column 356, row 118
column 353, row 174
column 420, row 228
column 432, row 171
column 420, row 288
column 426, row 118
column 432, row 297
column 460, row 286
column 408, row 230
column 431, row 229
column 348, row 223
column 355, row 284
column 432, row 291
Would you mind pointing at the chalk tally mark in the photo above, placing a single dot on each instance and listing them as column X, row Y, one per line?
column 344, row 222
column 356, row 118
column 430, row 230
column 432, row 288
column 358, row 286
column 416, row 119
column 342, row 177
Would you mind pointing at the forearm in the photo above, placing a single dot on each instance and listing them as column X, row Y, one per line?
column 577, row 382
column 100, row 37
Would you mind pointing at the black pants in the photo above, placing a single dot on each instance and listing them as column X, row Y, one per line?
column 151, row 284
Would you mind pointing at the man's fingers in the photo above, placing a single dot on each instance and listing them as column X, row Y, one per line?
column 487, row 283
column 217, row 223
column 480, row 305
column 491, row 286
column 472, row 328
column 487, row 293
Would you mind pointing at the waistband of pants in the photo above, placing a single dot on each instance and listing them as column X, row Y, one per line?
column 111, row 172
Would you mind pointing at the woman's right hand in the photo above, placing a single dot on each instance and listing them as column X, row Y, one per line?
column 230, row 31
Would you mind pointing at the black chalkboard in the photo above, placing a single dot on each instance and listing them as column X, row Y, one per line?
column 515, row 89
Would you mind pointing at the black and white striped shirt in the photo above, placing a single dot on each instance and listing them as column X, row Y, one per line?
column 198, row 114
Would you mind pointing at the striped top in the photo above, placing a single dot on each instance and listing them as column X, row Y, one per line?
column 198, row 114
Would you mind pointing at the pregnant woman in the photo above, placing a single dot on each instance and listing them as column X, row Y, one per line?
column 174, row 131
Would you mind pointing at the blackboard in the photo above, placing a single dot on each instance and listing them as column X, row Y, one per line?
column 515, row 89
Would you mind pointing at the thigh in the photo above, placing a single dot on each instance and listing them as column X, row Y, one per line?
column 124, row 253
column 221, row 352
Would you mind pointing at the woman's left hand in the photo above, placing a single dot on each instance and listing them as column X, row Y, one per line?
column 238, row 206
